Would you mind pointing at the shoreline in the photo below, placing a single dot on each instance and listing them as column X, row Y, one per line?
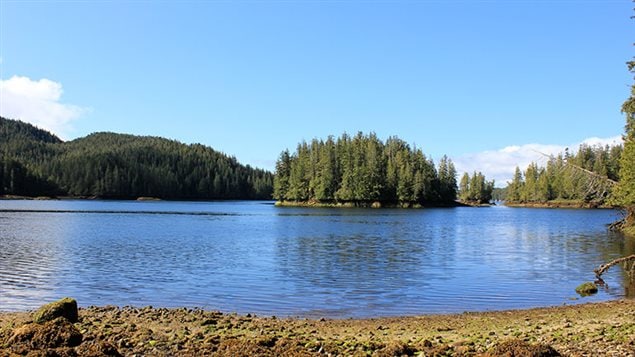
column 604, row 328
column 130, row 199
column 319, row 204
column 368, row 204
column 559, row 204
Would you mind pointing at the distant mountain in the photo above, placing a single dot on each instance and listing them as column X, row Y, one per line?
column 35, row 162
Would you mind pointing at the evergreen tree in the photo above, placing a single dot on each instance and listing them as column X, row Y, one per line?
column 515, row 188
column 345, row 191
column 375, row 167
column 530, row 189
column 299, row 175
column 327, row 171
column 281, row 180
column 447, row 179
column 624, row 193
column 464, row 187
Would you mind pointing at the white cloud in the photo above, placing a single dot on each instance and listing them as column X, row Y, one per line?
column 37, row 102
column 500, row 164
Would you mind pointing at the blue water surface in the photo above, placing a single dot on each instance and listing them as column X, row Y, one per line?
column 252, row 257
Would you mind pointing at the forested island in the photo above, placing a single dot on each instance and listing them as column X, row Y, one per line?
column 35, row 162
column 362, row 170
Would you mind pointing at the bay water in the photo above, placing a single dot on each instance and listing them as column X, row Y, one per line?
column 253, row 257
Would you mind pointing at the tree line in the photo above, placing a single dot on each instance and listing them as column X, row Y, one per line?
column 362, row 169
column 35, row 162
column 585, row 176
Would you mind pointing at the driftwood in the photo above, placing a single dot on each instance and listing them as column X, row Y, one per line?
column 617, row 226
column 604, row 267
column 620, row 224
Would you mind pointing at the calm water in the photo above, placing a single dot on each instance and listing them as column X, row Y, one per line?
column 254, row 257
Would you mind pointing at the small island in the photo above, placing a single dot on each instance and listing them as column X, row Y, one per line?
column 364, row 171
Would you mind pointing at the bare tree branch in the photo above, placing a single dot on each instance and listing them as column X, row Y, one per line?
column 604, row 267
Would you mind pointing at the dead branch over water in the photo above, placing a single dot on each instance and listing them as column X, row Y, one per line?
column 629, row 266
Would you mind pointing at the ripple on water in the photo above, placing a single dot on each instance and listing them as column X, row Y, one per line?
column 261, row 259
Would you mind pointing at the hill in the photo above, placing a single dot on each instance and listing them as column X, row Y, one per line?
column 35, row 162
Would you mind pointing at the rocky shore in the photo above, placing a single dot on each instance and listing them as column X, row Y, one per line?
column 59, row 329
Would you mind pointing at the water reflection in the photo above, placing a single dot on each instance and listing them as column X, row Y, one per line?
column 624, row 246
column 441, row 259
column 249, row 257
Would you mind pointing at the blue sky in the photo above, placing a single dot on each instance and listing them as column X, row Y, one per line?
column 476, row 80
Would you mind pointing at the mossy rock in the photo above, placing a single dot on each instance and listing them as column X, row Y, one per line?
column 66, row 308
column 586, row 289
column 51, row 334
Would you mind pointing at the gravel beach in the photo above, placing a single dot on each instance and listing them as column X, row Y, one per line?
column 598, row 329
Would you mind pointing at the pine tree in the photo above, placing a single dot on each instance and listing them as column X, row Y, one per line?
column 515, row 190
column 326, row 172
column 464, row 187
column 281, row 180
column 477, row 186
column 543, row 188
column 345, row 188
column 624, row 193
column 447, row 179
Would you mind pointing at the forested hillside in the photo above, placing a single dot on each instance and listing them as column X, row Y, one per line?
column 35, row 162
column 585, row 176
column 362, row 170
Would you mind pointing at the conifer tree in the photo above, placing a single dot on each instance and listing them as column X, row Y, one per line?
column 281, row 180
column 624, row 193
column 464, row 187
column 447, row 179
column 514, row 191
